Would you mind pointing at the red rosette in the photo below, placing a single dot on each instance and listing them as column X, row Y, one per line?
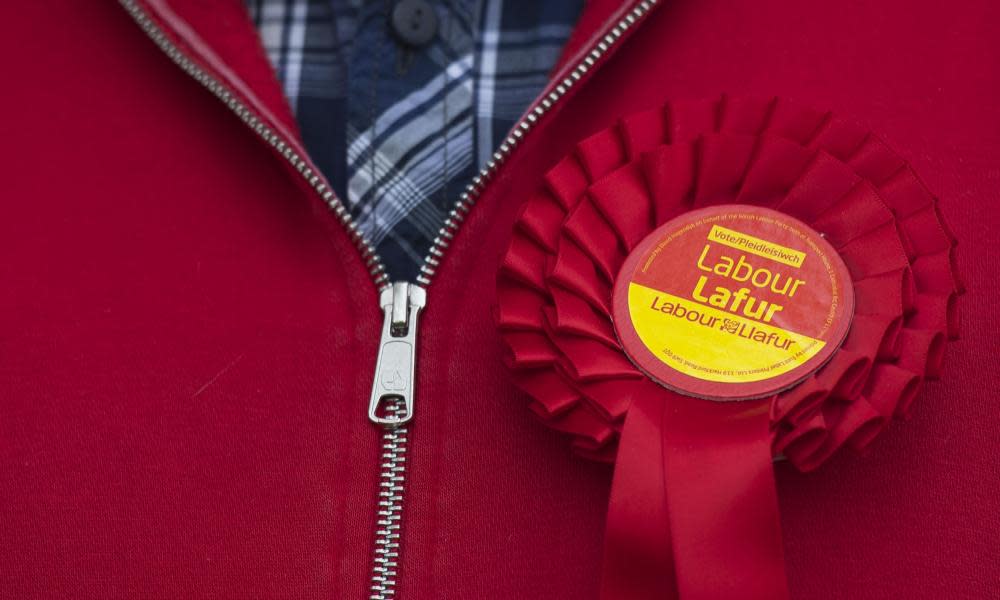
column 556, row 281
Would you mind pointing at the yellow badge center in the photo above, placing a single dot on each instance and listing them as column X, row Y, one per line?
column 703, row 341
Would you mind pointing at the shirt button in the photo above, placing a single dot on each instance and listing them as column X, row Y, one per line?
column 414, row 22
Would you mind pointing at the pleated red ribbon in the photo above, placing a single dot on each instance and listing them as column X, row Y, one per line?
column 693, row 511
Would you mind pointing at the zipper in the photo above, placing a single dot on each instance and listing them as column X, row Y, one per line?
column 391, row 404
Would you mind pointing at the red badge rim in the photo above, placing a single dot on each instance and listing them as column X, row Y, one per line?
column 672, row 379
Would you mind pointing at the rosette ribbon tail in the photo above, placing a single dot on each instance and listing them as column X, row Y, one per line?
column 693, row 513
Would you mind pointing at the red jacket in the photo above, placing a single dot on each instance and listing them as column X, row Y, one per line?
column 188, row 333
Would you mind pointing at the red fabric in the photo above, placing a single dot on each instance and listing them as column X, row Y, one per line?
column 186, row 333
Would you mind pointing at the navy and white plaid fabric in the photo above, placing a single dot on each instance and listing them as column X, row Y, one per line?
column 399, row 132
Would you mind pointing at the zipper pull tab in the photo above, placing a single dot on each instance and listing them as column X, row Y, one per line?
column 397, row 355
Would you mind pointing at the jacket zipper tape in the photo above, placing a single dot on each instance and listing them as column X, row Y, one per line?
column 391, row 404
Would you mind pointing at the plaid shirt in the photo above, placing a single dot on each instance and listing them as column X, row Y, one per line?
column 400, row 132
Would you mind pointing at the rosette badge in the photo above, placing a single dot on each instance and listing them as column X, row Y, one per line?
column 707, row 286
column 732, row 302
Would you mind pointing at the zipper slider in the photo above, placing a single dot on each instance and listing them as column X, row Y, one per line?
column 393, row 387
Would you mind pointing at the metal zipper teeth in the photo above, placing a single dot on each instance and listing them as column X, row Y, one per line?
column 390, row 511
column 373, row 262
column 474, row 189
